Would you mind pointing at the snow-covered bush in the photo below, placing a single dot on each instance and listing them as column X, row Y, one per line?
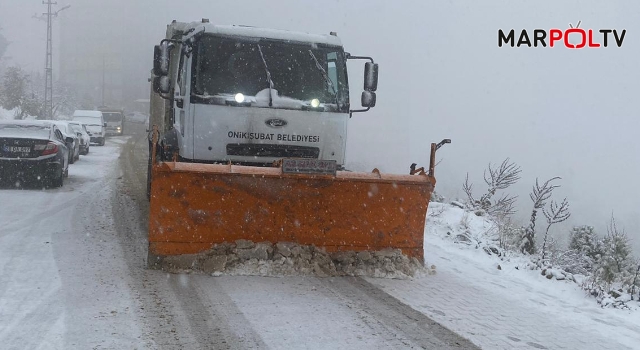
column 585, row 240
column 508, row 233
column 573, row 261
column 436, row 197
column 615, row 273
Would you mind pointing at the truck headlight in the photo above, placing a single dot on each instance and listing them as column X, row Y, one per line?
column 239, row 97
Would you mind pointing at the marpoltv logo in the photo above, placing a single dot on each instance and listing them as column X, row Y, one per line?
column 572, row 38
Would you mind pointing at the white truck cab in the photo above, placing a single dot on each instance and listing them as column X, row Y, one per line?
column 225, row 93
column 94, row 121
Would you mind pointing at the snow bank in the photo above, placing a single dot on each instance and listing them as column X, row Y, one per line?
column 7, row 114
column 290, row 259
column 10, row 114
column 461, row 226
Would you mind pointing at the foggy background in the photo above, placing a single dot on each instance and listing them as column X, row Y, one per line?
column 553, row 111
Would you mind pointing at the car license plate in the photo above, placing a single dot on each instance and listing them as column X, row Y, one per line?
column 309, row 166
column 17, row 149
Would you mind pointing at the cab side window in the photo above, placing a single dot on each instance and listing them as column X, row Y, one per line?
column 182, row 71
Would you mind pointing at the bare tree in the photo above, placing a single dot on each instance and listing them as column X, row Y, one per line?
column 539, row 197
column 501, row 178
column 555, row 215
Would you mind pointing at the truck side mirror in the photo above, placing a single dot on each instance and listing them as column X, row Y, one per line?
column 105, row 125
column 371, row 77
column 161, row 85
column 368, row 99
column 161, row 59
column 157, row 63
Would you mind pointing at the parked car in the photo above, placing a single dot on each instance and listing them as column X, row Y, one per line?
column 94, row 120
column 67, row 131
column 35, row 150
column 83, row 134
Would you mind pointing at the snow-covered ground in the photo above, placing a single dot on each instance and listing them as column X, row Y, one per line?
column 8, row 114
column 497, row 306
column 72, row 276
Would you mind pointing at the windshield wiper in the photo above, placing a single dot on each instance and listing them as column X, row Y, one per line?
column 326, row 77
column 266, row 69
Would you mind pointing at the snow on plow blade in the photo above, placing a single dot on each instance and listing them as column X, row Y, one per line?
column 195, row 207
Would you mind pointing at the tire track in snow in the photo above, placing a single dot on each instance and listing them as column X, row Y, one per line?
column 40, row 215
column 30, row 328
column 176, row 316
column 404, row 326
column 210, row 324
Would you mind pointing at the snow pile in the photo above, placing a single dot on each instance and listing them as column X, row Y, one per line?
column 6, row 114
column 289, row 259
column 464, row 227
column 10, row 114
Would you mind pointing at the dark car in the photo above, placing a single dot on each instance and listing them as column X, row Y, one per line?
column 33, row 150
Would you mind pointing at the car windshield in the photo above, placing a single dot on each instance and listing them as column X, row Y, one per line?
column 76, row 127
column 87, row 120
column 301, row 72
column 112, row 117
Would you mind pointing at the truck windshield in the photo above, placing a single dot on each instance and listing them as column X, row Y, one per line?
column 112, row 117
column 225, row 66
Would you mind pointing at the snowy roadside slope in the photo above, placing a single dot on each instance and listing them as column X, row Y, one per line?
column 10, row 114
column 505, row 308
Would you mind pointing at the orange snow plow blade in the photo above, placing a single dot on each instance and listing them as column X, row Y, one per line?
column 199, row 208
column 194, row 206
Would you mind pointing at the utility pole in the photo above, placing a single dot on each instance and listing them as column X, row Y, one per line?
column 48, row 66
column 102, row 80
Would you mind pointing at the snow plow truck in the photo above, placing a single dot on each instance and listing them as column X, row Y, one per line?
column 247, row 139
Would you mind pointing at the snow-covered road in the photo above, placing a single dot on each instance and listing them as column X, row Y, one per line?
column 73, row 276
column 62, row 277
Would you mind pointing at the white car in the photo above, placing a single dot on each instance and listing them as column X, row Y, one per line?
column 96, row 126
column 83, row 134
column 68, row 131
